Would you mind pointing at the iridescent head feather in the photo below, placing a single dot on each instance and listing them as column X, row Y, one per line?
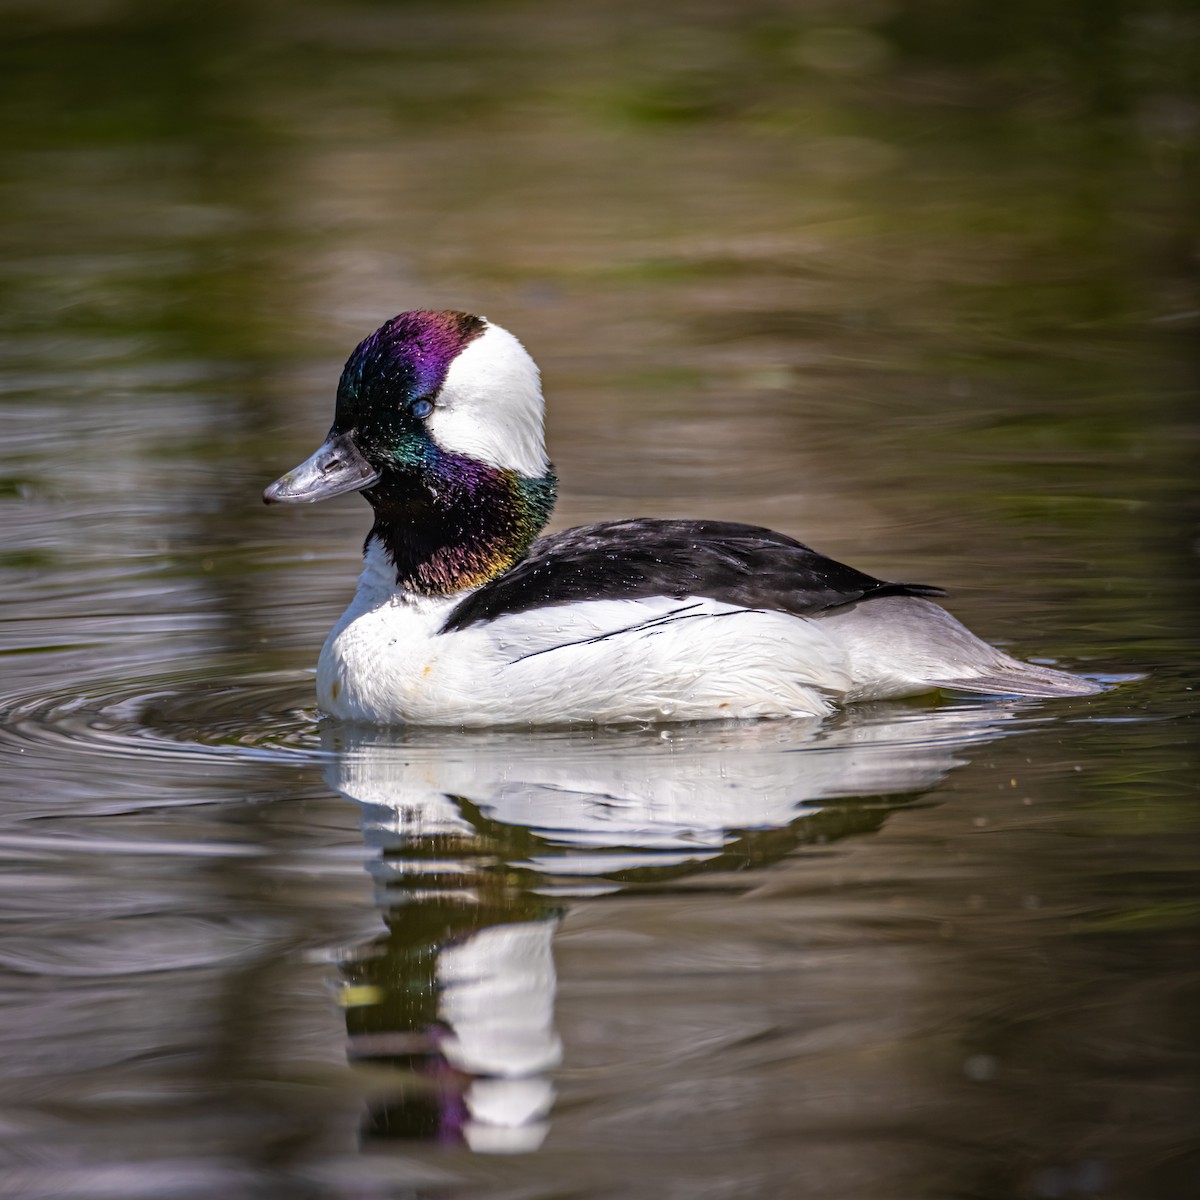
column 439, row 425
column 449, row 408
column 405, row 358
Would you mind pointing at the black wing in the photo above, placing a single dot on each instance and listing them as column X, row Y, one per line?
column 636, row 559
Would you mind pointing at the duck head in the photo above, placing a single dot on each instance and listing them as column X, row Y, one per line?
column 439, row 423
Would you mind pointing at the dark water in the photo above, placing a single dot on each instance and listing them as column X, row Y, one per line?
column 915, row 283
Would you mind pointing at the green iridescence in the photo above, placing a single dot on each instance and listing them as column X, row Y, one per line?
column 455, row 523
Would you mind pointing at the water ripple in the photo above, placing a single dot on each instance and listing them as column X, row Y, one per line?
column 179, row 715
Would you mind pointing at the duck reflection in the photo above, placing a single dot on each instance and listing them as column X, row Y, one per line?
column 483, row 838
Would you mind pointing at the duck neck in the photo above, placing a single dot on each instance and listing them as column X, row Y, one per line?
column 457, row 523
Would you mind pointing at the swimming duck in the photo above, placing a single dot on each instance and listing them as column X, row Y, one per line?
column 464, row 616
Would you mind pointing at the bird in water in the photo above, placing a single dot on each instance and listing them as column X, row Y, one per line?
column 465, row 616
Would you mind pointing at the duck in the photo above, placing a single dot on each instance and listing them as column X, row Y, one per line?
column 467, row 615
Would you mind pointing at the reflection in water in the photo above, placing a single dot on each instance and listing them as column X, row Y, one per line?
column 922, row 297
column 483, row 836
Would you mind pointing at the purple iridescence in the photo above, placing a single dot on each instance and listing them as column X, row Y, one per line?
column 447, row 521
column 460, row 523
column 407, row 356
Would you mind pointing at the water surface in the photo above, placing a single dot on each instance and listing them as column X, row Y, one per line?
column 916, row 289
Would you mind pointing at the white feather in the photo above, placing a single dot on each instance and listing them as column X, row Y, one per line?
column 904, row 645
column 490, row 406
column 387, row 661
column 601, row 660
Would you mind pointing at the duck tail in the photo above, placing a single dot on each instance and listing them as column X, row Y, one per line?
column 901, row 645
column 1009, row 677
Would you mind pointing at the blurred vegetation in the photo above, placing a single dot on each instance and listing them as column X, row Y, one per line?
column 1038, row 161
column 941, row 232
column 911, row 279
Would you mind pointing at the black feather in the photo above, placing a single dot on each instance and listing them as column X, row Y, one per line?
column 636, row 559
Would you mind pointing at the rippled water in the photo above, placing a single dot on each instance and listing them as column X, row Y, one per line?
column 914, row 286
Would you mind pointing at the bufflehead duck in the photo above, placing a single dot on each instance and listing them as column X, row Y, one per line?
column 464, row 616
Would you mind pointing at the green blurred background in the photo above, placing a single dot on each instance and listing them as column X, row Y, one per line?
column 913, row 281
column 909, row 274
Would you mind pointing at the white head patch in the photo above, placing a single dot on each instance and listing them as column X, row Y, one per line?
column 490, row 406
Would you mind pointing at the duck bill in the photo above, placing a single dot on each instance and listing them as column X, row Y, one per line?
column 335, row 469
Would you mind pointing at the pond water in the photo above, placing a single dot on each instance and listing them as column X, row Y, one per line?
column 915, row 285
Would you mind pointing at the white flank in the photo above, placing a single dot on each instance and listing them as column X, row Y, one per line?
column 601, row 660
column 659, row 659
column 904, row 645
column 491, row 407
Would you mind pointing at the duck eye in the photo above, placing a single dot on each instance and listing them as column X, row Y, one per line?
column 421, row 408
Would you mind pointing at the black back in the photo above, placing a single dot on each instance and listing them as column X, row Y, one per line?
column 639, row 558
